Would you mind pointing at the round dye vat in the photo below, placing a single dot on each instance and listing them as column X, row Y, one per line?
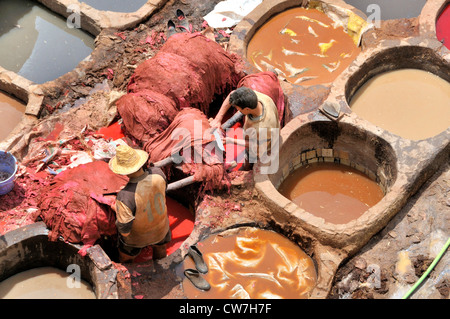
column 411, row 103
column 443, row 26
column 304, row 48
column 335, row 192
column 252, row 263
column 37, row 43
column 116, row 5
column 45, row 283
column 11, row 111
column 389, row 9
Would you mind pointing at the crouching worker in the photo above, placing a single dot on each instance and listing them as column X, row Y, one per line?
column 261, row 119
column 141, row 212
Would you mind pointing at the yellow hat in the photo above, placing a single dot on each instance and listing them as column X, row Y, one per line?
column 127, row 160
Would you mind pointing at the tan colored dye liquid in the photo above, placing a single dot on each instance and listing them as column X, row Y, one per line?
column 253, row 263
column 43, row 283
column 410, row 103
column 335, row 192
column 302, row 46
column 11, row 111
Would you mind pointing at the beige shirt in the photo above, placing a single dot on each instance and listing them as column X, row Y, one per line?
column 267, row 120
column 142, row 204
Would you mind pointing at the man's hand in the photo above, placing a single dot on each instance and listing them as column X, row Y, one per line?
column 215, row 123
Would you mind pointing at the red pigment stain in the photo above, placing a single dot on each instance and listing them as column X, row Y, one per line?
column 443, row 27
column 114, row 131
column 233, row 151
column 181, row 222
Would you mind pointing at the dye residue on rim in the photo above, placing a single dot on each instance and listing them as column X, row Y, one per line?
column 443, row 26
column 335, row 192
column 253, row 263
column 304, row 48
column 116, row 5
column 389, row 9
column 411, row 103
column 11, row 112
column 37, row 43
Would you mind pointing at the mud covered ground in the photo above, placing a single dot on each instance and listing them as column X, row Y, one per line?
column 385, row 268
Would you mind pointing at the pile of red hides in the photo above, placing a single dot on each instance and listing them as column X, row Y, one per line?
column 266, row 83
column 146, row 114
column 190, row 69
column 195, row 135
column 73, row 206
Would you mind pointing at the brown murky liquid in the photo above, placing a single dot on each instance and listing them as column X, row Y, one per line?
column 302, row 46
column 43, row 283
column 335, row 192
column 11, row 111
column 411, row 103
column 253, row 263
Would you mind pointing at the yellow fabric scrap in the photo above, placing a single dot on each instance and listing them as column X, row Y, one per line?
column 356, row 26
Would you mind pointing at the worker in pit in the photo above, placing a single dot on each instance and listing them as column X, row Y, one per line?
column 261, row 121
column 141, row 212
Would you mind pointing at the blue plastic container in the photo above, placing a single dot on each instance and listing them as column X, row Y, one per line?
column 8, row 165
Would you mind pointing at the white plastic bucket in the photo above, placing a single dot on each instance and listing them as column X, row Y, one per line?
column 8, row 165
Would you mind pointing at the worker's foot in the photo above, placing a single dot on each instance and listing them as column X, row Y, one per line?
column 197, row 256
column 183, row 23
column 198, row 281
column 171, row 28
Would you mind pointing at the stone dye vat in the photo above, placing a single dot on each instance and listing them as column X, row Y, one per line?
column 116, row 5
column 44, row 283
column 388, row 9
column 249, row 262
column 328, row 145
column 11, row 112
column 405, row 90
column 412, row 103
column 306, row 47
column 41, row 46
column 335, row 192
column 310, row 141
column 298, row 62
column 28, row 249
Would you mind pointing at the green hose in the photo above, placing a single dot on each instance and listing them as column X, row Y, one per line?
column 430, row 268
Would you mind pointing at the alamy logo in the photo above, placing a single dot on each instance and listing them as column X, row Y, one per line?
column 375, row 14
column 74, row 279
column 74, row 19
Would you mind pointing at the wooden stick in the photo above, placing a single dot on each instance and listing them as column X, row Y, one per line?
column 232, row 120
column 164, row 162
column 180, row 184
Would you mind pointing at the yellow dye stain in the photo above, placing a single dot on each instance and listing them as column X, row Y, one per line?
column 289, row 32
column 324, row 47
column 403, row 263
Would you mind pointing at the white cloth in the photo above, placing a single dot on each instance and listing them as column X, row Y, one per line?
column 230, row 12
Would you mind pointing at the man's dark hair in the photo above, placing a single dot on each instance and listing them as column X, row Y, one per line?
column 244, row 97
